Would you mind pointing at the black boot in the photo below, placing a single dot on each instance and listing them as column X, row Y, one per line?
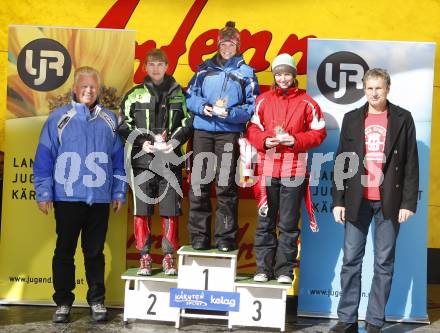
column 342, row 327
column 370, row 328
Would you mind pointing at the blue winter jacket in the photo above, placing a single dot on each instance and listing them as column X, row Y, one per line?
column 236, row 81
column 80, row 157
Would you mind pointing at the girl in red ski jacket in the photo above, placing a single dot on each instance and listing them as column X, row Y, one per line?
column 286, row 124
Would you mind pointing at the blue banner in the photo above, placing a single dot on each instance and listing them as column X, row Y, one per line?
column 334, row 79
column 204, row 299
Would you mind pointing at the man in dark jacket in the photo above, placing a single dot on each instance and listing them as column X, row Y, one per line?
column 380, row 138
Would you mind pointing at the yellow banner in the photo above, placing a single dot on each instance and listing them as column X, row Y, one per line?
column 41, row 64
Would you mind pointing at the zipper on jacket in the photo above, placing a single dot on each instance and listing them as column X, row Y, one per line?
column 147, row 115
column 170, row 120
column 225, row 83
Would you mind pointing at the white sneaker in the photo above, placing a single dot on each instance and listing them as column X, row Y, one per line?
column 61, row 314
column 284, row 279
column 261, row 277
column 98, row 312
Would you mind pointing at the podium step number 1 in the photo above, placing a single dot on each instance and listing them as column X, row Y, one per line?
column 207, row 276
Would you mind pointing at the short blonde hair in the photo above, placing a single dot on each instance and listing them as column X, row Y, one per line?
column 377, row 73
column 86, row 71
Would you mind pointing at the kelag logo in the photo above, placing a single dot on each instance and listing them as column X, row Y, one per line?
column 44, row 64
column 340, row 75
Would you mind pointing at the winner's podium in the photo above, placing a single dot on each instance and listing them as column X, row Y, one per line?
column 206, row 287
column 207, row 270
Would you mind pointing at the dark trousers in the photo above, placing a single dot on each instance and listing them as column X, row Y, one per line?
column 157, row 190
column 384, row 240
column 73, row 218
column 200, row 213
column 277, row 256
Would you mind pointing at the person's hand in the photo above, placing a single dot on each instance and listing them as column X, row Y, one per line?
column 404, row 214
column 148, row 147
column 271, row 142
column 117, row 205
column 45, row 206
column 207, row 110
column 288, row 141
column 339, row 214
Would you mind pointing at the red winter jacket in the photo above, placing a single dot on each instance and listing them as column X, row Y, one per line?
column 300, row 116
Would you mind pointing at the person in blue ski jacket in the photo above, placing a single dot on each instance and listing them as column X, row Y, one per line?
column 222, row 96
column 79, row 170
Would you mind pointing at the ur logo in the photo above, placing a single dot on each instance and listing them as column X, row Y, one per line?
column 44, row 64
column 340, row 75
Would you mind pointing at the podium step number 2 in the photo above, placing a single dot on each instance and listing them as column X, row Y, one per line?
column 148, row 297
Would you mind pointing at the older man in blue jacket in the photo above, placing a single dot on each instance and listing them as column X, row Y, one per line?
column 79, row 170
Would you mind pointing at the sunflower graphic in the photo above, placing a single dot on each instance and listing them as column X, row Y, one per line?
column 111, row 52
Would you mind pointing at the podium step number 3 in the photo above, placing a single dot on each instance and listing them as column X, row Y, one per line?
column 261, row 304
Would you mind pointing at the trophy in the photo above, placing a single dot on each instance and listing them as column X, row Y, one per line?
column 281, row 135
column 219, row 108
column 159, row 141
